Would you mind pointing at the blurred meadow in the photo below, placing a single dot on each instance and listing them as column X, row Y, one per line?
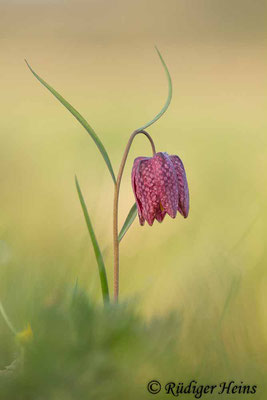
column 195, row 289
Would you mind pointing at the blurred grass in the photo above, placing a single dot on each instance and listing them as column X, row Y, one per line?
column 209, row 270
column 83, row 351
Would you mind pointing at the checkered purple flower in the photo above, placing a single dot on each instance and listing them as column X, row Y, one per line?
column 160, row 186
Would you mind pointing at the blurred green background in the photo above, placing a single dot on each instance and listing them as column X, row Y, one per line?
column 211, row 267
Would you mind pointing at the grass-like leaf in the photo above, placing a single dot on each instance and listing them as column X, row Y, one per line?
column 166, row 105
column 80, row 118
column 128, row 222
column 98, row 254
column 7, row 320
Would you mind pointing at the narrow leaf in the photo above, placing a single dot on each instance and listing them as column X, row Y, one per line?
column 7, row 320
column 80, row 118
column 98, row 254
column 166, row 105
column 128, row 222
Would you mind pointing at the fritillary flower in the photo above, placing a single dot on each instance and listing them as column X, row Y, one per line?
column 160, row 187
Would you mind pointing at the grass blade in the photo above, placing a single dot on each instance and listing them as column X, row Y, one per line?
column 80, row 118
column 98, row 254
column 128, row 222
column 7, row 320
column 166, row 105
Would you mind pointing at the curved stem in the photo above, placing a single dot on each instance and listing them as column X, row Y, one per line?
column 115, row 207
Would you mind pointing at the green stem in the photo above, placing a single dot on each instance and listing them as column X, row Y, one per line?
column 116, row 241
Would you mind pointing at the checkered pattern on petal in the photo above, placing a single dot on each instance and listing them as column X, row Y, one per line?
column 166, row 183
column 183, row 198
column 160, row 214
column 160, row 186
column 147, row 190
column 137, row 189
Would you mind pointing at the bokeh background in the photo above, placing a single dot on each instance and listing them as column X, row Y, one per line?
column 209, row 268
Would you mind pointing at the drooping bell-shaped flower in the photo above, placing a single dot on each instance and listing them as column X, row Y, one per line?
column 160, row 186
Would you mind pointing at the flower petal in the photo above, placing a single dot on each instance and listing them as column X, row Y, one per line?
column 160, row 214
column 135, row 185
column 183, row 198
column 166, row 183
column 147, row 190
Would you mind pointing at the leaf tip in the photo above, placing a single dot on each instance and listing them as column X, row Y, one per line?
column 76, row 182
column 28, row 65
column 156, row 48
